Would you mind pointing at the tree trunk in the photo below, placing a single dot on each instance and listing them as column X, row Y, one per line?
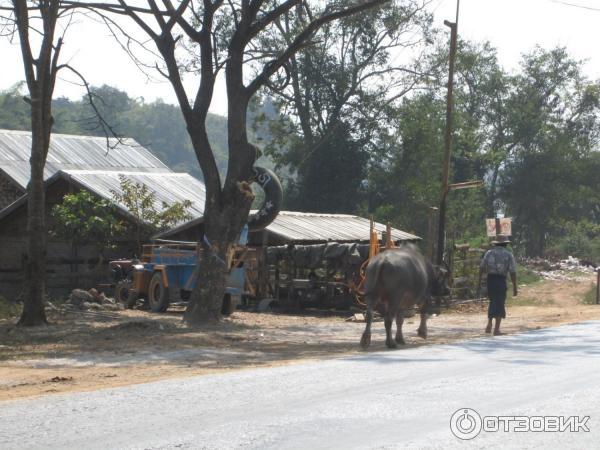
column 207, row 298
column 35, row 267
column 222, row 228
column 40, row 73
column 227, row 208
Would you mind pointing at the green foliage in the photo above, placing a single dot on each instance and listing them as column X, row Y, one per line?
column 330, row 180
column 14, row 112
column 334, row 114
column 523, row 301
column 529, row 136
column 404, row 183
column 9, row 310
column 578, row 239
column 157, row 126
column 86, row 219
column 151, row 216
column 590, row 296
column 351, row 147
column 526, row 276
column 551, row 177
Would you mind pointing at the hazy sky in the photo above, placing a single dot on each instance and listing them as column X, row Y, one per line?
column 512, row 26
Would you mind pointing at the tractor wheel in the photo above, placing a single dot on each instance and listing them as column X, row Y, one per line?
column 158, row 294
column 124, row 294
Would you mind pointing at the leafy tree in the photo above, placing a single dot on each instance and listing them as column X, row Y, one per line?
column 530, row 136
column 404, row 182
column 86, row 219
column 225, row 35
column 40, row 54
column 40, row 63
column 334, row 98
column 83, row 218
column 14, row 112
column 555, row 129
column 150, row 215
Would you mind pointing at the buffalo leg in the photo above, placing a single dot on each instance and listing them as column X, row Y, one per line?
column 399, row 322
column 389, row 318
column 391, row 313
column 365, row 341
column 422, row 330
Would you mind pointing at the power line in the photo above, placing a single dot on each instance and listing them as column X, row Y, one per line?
column 589, row 8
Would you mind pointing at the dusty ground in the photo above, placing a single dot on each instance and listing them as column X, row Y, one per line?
column 94, row 350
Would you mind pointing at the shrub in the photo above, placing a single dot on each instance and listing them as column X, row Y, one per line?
column 9, row 310
column 581, row 240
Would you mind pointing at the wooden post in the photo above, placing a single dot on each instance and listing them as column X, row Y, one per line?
column 388, row 236
column 598, row 287
column 447, row 138
column 263, row 269
column 373, row 240
column 431, row 227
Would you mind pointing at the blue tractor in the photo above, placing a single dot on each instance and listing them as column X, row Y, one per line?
column 168, row 270
column 167, row 273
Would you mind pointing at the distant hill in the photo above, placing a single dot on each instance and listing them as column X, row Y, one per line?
column 157, row 126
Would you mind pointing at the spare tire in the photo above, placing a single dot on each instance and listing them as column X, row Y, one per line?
column 271, row 206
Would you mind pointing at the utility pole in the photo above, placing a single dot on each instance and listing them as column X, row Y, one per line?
column 447, row 138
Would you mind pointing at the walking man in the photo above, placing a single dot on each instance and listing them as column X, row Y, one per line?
column 497, row 263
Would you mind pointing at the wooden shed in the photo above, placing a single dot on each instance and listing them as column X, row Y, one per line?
column 74, row 163
column 291, row 233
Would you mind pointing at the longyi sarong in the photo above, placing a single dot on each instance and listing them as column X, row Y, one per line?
column 496, row 287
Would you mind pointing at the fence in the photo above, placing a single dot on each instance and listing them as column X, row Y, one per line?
column 464, row 266
column 67, row 267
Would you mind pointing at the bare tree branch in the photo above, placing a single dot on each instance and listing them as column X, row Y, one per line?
column 107, row 128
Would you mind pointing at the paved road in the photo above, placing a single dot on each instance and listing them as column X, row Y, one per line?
column 393, row 399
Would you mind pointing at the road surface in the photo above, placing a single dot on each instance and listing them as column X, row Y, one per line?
column 382, row 400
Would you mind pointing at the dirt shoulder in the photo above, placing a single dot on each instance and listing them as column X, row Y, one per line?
column 87, row 351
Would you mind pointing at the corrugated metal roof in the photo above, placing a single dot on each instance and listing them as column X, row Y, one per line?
column 73, row 152
column 168, row 187
column 299, row 227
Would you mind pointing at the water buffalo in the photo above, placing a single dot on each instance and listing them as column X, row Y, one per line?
column 400, row 279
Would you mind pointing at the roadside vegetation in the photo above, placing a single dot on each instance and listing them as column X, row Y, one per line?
column 9, row 310
column 353, row 123
column 567, row 223
column 526, row 276
column 590, row 296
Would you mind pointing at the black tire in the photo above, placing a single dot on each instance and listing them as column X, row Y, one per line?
column 158, row 293
column 271, row 206
column 124, row 294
